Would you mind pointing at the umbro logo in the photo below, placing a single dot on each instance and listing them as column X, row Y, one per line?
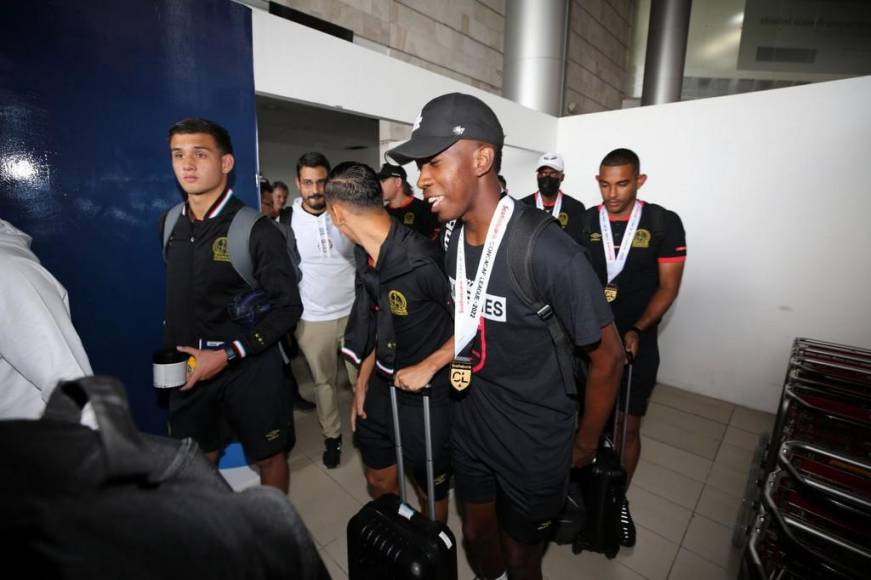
column 459, row 130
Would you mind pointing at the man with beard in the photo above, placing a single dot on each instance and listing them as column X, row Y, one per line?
column 327, row 291
column 513, row 436
column 550, row 198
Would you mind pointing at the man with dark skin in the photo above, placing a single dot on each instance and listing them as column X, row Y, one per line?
column 640, row 288
column 514, row 436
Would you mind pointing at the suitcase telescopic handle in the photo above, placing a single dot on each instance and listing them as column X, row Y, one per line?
column 630, row 359
column 427, row 433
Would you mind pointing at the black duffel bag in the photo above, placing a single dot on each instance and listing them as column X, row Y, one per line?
column 115, row 503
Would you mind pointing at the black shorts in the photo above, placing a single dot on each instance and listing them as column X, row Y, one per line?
column 252, row 399
column 526, row 509
column 644, row 370
column 374, row 436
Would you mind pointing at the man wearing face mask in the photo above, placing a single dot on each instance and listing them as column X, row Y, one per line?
column 550, row 198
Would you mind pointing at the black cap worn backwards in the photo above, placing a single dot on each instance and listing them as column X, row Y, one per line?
column 389, row 170
column 444, row 121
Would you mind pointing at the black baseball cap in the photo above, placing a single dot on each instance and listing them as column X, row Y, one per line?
column 444, row 121
column 390, row 170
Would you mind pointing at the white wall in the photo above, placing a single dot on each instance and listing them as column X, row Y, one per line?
column 295, row 62
column 772, row 190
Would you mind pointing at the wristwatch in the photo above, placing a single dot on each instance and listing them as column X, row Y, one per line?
column 231, row 353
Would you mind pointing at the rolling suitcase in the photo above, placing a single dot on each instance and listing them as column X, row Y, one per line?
column 387, row 539
column 596, row 492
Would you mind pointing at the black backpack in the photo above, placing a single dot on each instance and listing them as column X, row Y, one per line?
column 114, row 503
column 522, row 237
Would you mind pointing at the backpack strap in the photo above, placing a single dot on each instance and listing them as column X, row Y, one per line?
column 238, row 239
column 169, row 221
column 521, row 242
column 292, row 249
column 239, row 243
column 122, row 446
column 657, row 219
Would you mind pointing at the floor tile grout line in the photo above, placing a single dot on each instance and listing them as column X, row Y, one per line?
column 688, row 412
column 660, row 496
column 666, row 443
column 674, row 408
column 703, row 557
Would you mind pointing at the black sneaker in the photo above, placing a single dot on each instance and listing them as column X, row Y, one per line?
column 303, row 405
column 333, row 451
column 625, row 526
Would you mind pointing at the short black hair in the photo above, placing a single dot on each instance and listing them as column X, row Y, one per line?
column 354, row 183
column 265, row 186
column 502, row 181
column 312, row 159
column 193, row 125
column 278, row 184
column 497, row 158
column 622, row 157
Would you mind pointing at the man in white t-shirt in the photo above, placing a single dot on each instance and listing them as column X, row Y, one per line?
column 327, row 291
column 38, row 345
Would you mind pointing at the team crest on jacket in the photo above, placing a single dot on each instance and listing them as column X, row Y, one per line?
column 642, row 239
column 220, row 253
column 408, row 218
column 398, row 303
column 563, row 219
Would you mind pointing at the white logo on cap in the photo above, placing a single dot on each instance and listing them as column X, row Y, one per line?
column 417, row 123
column 458, row 130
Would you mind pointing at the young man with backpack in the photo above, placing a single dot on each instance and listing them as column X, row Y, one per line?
column 641, row 281
column 218, row 253
column 514, row 434
column 399, row 333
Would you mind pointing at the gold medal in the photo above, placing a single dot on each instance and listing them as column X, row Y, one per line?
column 610, row 292
column 461, row 373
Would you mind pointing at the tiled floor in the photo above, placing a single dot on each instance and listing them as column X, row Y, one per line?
column 684, row 498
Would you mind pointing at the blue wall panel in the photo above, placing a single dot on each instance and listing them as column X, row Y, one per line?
column 88, row 89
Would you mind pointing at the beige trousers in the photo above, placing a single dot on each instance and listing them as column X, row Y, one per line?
column 320, row 342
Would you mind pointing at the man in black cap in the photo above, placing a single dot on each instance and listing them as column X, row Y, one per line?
column 400, row 202
column 550, row 198
column 514, row 436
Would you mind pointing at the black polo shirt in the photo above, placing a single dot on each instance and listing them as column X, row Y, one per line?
column 516, row 411
column 409, row 283
column 416, row 214
column 201, row 282
column 658, row 239
column 571, row 215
